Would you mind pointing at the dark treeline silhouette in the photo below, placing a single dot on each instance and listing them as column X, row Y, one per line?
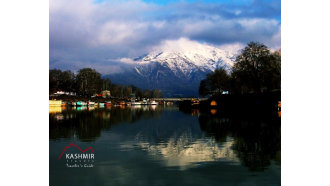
column 88, row 82
column 256, row 70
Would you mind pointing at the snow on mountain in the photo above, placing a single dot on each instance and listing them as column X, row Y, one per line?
column 185, row 56
column 176, row 67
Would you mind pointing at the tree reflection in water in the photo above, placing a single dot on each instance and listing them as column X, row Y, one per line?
column 257, row 140
column 88, row 125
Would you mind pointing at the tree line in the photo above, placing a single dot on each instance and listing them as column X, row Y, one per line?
column 88, row 82
column 256, row 70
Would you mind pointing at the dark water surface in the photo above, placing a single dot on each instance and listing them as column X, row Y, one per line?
column 164, row 146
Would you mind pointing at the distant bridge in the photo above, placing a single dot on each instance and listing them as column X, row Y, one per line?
column 177, row 99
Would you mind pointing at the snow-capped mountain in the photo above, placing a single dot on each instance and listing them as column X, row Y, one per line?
column 184, row 56
column 175, row 67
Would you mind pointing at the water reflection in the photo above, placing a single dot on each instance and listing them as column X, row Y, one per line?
column 81, row 108
column 184, row 152
column 164, row 139
column 86, row 123
column 153, row 107
column 90, row 108
column 257, row 142
column 55, row 109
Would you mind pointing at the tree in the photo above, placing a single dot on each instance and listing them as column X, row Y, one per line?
column 105, row 84
column 204, row 88
column 127, row 91
column 68, row 81
column 256, row 69
column 59, row 80
column 147, row 93
column 156, row 93
column 88, row 81
column 218, row 80
column 115, row 90
column 54, row 80
column 138, row 93
column 215, row 82
column 272, row 71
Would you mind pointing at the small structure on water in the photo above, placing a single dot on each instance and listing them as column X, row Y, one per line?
column 106, row 93
column 55, row 102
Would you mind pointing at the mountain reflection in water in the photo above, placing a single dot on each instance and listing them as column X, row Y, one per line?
column 172, row 139
column 184, row 153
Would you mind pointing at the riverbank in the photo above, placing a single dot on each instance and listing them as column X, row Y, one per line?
column 67, row 98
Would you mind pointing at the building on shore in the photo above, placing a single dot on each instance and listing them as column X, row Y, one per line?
column 106, row 93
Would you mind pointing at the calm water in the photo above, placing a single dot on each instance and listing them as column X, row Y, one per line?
column 164, row 146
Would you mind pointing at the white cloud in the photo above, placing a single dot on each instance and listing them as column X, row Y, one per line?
column 126, row 60
column 83, row 30
column 232, row 48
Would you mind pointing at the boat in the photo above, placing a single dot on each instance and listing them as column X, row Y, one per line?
column 169, row 103
column 91, row 103
column 189, row 104
column 144, row 102
column 153, row 102
column 135, row 103
column 101, row 104
column 194, row 102
column 162, row 103
column 108, row 104
column 55, row 102
column 81, row 103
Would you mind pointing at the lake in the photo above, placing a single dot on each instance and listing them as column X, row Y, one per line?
column 157, row 145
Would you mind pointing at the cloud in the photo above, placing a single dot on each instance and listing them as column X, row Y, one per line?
column 86, row 32
column 232, row 47
column 125, row 60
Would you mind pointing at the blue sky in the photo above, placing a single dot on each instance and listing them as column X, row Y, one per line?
column 87, row 33
column 164, row 2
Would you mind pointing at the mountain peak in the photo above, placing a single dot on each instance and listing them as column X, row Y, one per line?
column 175, row 66
column 184, row 52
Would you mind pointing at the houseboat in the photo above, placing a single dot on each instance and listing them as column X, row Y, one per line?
column 90, row 103
column 133, row 102
column 81, row 103
column 144, row 102
column 55, row 102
